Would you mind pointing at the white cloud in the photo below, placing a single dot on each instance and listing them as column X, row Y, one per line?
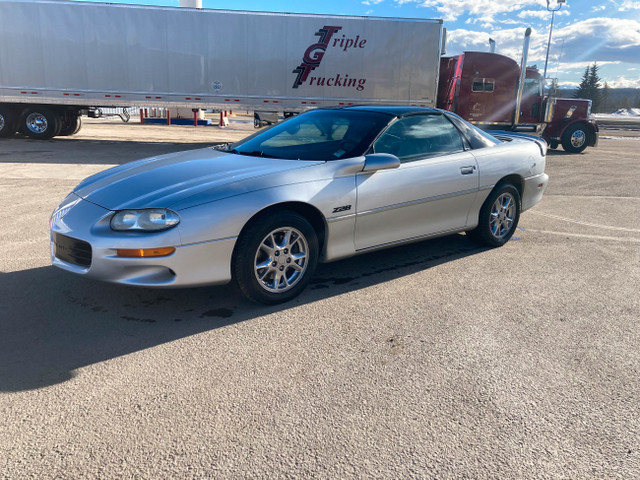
column 541, row 14
column 613, row 43
column 624, row 82
column 484, row 10
column 372, row 2
column 602, row 39
column 595, row 39
column 629, row 5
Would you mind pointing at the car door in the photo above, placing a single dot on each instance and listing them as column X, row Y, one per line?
column 430, row 193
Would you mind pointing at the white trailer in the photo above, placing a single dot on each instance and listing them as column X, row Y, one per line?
column 61, row 59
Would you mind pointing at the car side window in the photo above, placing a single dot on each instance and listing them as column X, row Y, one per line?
column 419, row 136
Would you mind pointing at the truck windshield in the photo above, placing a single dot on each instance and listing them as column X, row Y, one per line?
column 316, row 135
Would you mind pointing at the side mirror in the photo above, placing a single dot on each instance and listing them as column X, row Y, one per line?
column 380, row 161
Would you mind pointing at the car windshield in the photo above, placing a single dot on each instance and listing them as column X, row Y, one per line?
column 316, row 135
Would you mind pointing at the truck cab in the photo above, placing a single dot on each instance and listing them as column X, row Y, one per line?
column 482, row 88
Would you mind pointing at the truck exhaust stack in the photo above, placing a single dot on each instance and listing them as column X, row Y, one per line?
column 523, row 71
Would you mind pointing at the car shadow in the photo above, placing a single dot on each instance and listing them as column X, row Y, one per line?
column 53, row 322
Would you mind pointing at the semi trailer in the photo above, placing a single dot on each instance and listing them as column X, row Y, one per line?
column 61, row 60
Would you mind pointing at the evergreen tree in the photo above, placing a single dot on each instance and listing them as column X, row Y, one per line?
column 594, row 87
column 583, row 88
column 589, row 87
column 605, row 104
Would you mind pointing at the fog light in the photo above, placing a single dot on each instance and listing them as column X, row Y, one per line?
column 145, row 252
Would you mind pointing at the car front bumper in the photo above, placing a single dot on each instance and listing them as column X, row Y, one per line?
column 78, row 225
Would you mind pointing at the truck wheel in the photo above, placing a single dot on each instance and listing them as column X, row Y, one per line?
column 7, row 123
column 275, row 258
column 575, row 139
column 40, row 123
column 79, row 125
column 71, row 126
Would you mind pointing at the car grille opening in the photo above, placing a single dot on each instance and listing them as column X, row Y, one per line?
column 72, row 250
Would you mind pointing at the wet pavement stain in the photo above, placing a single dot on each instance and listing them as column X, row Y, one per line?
column 135, row 319
column 217, row 312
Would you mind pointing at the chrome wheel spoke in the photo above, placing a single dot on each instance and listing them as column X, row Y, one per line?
column 286, row 239
column 281, row 260
column 264, row 264
column 502, row 216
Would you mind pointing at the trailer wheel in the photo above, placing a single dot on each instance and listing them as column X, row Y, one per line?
column 7, row 122
column 79, row 125
column 71, row 126
column 575, row 138
column 40, row 123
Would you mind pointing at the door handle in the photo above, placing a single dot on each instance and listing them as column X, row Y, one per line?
column 467, row 170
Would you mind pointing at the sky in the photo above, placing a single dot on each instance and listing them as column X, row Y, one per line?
column 584, row 31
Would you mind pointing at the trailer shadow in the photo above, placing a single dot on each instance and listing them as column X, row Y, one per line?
column 53, row 323
column 70, row 150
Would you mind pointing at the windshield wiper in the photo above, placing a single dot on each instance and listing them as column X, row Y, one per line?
column 255, row 153
column 223, row 147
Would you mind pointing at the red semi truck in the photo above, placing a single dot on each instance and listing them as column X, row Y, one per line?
column 491, row 91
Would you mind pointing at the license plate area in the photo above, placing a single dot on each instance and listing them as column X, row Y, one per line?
column 72, row 250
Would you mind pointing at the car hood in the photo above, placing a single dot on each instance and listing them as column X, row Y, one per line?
column 164, row 180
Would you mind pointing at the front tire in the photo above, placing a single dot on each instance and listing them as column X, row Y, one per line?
column 275, row 258
column 499, row 217
column 575, row 139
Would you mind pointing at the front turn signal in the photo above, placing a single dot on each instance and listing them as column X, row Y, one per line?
column 145, row 252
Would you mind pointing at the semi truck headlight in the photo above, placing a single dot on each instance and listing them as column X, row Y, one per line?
column 148, row 220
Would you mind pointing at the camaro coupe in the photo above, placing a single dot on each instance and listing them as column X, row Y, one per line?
column 321, row 186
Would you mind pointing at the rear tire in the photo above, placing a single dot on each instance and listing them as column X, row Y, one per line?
column 499, row 217
column 275, row 258
column 575, row 138
column 40, row 123
column 71, row 126
column 7, row 123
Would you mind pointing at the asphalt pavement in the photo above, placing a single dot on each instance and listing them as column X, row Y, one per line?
column 439, row 360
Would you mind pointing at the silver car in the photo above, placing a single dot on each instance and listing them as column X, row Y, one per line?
column 324, row 185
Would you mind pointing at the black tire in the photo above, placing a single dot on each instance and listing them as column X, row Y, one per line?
column 499, row 217
column 7, row 123
column 575, row 138
column 40, row 123
column 268, row 268
column 79, row 125
column 257, row 123
column 71, row 126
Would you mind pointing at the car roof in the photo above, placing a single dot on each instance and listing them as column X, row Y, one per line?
column 394, row 110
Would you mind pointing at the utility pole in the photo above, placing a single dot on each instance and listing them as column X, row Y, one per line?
column 553, row 13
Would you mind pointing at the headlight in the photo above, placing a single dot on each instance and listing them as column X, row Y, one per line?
column 150, row 220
